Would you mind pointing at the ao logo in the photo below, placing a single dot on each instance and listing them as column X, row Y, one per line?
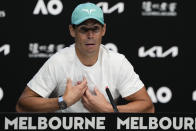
column 163, row 95
column 112, row 47
column 194, row 95
column 54, row 7
column 1, row 93
column 5, row 49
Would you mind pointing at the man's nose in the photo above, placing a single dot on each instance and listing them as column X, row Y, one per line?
column 90, row 34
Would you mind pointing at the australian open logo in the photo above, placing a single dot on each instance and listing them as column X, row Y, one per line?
column 2, row 14
column 1, row 93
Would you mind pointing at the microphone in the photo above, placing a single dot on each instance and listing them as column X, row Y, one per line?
column 111, row 99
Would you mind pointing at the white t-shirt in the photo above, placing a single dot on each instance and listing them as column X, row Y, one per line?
column 111, row 69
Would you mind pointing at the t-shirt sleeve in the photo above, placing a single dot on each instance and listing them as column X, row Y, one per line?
column 44, row 81
column 129, row 81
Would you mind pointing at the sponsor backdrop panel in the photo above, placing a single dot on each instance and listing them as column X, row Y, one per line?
column 151, row 34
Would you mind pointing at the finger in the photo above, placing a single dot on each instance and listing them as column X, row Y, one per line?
column 84, row 90
column 97, row 91
column 83, row 83
column 84, row 78
column 69, row 82
column 87, row 106
column 86, row 102
column 84, row 99
column 88, row 94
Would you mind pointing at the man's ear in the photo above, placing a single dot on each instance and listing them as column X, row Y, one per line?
column 71, row 31
column 104, row 29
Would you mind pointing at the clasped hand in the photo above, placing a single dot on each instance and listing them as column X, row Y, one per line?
column 93, row 103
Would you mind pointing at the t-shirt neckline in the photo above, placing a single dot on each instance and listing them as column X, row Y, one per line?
column 88, row 67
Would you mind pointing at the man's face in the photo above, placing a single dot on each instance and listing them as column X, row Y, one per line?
column 88, row 36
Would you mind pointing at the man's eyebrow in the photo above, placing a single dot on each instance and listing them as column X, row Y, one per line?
column 94, row 22
column 93, row 26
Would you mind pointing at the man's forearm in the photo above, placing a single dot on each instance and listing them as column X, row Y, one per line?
column 37, row 104
column 137, row 107
column 134, row 107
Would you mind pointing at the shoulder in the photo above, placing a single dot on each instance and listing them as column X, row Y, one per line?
column 64, row 55
column 111, row 56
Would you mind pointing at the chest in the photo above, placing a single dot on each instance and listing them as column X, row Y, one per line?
column 99, row 78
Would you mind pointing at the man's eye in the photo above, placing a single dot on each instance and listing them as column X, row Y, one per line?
column 95, row 29
column 83, row 29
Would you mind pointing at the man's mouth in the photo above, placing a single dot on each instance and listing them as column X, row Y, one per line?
column 90, row 45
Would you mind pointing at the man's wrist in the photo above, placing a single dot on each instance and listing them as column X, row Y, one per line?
column 66, row 100
column 62, row 104
column 109, row 108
